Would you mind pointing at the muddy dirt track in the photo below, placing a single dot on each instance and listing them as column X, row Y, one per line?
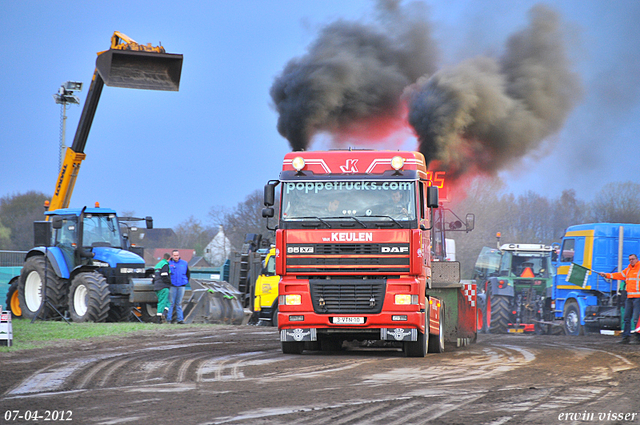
column 238, row 375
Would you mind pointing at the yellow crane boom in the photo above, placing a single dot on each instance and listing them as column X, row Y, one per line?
column 126, row 64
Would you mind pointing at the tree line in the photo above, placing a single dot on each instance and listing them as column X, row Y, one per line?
column 526, row 218
column 19, row 211
column 534, row 218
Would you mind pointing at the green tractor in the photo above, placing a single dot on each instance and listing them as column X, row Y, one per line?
column 512, row 284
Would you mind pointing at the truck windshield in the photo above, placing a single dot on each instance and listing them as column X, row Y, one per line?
column 101, row 230
column 360, row 200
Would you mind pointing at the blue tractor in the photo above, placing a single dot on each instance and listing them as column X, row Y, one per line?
column 80, row 265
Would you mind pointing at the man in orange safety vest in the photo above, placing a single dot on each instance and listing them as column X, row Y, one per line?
column 631, row 276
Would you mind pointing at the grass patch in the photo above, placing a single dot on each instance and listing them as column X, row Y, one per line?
column 27, row 335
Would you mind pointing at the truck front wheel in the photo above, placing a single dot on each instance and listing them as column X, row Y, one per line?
column 572, row 324
column 419, row 347
column 89, row 298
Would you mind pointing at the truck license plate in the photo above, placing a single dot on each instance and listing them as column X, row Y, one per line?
column 348, row 320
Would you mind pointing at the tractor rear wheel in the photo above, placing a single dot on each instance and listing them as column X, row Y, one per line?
column 35, row 272
column 13, row 303
column 89, row 298
column 498, row 314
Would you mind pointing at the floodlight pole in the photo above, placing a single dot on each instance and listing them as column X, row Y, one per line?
column 63, row 128
column 63, row 97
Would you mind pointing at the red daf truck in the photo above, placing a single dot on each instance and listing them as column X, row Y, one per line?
column 354, row 249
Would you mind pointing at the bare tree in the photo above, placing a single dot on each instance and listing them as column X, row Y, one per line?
column 617, row 203
column 192, row 234
column 246, row 218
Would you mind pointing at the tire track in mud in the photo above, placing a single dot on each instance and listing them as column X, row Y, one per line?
column 441, row 391
column 112, row 371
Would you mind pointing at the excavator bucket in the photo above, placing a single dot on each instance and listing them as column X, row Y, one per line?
column 134, row 69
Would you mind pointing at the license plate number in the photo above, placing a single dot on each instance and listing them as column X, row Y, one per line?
column 348, row 320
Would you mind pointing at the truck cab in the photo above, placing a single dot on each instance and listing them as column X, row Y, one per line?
column 354, row 251
column 266, row 291
column 593, row 303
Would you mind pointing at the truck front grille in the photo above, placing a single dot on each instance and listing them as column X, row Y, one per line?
column 349, row 258
column 347, row 296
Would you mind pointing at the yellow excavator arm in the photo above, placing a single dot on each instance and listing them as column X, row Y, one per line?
column 126, row 64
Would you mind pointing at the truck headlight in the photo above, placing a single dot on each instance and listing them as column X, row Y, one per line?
column 99, row 263
column 406, row 299
column 291, row 299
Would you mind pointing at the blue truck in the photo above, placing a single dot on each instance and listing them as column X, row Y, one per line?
column 594, row 303
column 563, row 292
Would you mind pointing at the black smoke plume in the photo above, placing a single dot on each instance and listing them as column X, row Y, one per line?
column 353, row 73
column 484, row 114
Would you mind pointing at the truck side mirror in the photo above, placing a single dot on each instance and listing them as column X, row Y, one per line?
column 432, row 197
column 269, row 195
column 471, row 222
column 268, row 212
column 149, row 221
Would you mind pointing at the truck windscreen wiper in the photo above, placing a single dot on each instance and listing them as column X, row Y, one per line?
column 314, row 218
column 364, row 226
column 386, row 216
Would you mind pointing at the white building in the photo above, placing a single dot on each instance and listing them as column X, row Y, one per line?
column 218, row 250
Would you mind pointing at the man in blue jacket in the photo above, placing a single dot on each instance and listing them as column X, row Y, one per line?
column 179, row 278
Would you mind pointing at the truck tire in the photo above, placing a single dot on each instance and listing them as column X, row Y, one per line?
column 274, row 316
column 89, row 298
column 498, row 314
column 436, row 342
column 572, row 324
column 31, row 286
column 419, row 348
column 13, row 303
column 292, row 347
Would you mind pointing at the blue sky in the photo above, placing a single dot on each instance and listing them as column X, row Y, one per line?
column 177, row 154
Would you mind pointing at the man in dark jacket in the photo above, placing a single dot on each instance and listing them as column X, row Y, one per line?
column 161, row 284
column 179, row 278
